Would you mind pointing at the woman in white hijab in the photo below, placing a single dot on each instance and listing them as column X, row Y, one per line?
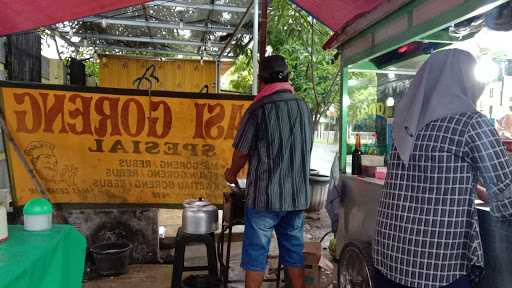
column 427, row 231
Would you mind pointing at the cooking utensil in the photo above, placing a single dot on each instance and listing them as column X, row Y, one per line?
column 199, row 217
column 240, row 186
column 234, row 202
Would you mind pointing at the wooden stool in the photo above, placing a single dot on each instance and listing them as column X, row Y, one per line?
column 312, row 255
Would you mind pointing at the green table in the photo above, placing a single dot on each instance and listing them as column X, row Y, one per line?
column 48, row 259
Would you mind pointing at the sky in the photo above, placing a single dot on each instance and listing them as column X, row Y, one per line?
column 48, row 49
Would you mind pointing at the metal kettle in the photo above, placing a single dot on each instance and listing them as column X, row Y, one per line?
column 199, row 217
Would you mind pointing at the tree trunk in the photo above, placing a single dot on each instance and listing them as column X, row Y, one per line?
column 316, row 121
column 337, row 128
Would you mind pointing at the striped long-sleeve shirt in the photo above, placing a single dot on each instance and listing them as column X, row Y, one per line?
column 427, row 228
column 276, row 132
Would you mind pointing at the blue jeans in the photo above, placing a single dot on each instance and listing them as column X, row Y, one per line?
column 259, row 224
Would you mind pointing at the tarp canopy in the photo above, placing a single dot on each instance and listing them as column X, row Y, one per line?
column 176, row 28
column 336, row 14
column 21, row 15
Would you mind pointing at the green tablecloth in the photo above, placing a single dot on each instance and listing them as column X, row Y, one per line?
column 49, row 259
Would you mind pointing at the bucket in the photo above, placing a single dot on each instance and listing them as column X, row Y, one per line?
column 319, row 184
column 112, row 258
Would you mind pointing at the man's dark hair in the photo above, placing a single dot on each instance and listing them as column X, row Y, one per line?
column 273, row 69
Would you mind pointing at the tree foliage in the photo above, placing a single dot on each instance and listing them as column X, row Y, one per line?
column 363, row 95
column 299, row 38
column 242, row 74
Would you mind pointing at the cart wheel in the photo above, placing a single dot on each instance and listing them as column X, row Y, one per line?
column 355, row 269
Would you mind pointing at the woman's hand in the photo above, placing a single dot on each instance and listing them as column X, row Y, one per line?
column 481, row 193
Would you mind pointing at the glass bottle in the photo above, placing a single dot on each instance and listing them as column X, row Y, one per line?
column 356, row 156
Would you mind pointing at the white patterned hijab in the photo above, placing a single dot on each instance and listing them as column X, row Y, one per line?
column 444, row 85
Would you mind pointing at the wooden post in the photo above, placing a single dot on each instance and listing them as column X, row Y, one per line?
column 255, row 47
column 263, row 30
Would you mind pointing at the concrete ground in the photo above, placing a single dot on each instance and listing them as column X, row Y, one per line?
column 159, row 276
column 139, row 276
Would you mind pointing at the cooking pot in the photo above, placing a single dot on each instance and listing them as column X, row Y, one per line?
column 240, row 187
column 234, row 203
column 199, row 217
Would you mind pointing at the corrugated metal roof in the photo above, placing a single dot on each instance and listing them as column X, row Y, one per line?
column 200, row 28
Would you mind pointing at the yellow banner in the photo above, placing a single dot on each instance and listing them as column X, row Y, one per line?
column 104, row 147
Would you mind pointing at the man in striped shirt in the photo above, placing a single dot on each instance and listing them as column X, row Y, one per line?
column 275, row 136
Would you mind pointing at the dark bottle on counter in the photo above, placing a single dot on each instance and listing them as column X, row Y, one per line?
column 356, row 157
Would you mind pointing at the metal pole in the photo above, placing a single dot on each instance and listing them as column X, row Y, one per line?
column 144, row 39
column 255, row 48
column 217, row 76
column 344, row 120
column 215, row 7
column 237, row 29
column 172, row 52
column 24, row 162
column 163, row 24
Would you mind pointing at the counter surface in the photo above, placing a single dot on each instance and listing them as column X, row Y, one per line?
column 53, row 258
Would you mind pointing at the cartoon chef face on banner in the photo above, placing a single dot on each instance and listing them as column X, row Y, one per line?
column 45, row 163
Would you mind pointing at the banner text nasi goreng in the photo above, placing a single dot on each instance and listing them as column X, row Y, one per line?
column 107, row 148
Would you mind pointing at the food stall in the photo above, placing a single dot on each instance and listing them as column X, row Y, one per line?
column 391, row 42
column 75, row 148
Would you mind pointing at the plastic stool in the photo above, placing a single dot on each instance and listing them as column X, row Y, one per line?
column 182, row 239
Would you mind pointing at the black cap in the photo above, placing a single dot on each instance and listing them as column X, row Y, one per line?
column 274, row 69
